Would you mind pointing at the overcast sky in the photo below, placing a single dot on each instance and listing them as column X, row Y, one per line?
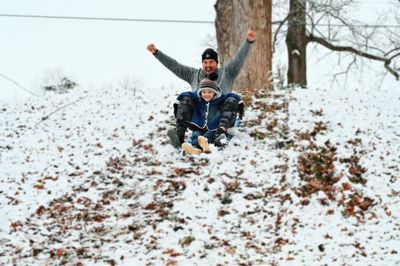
column 98, row 52
column 95, row 53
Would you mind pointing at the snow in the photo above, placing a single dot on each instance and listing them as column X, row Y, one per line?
column 296, row 52
column 88, row 178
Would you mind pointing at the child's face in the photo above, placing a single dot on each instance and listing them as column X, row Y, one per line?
column 207, row 95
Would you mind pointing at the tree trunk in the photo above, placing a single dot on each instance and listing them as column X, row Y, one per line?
column 234, row 19
column 296, row 42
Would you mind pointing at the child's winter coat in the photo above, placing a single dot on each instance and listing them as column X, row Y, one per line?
column 206, row 115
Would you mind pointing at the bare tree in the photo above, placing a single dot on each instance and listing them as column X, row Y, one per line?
column 329, row 23
column 234, row 18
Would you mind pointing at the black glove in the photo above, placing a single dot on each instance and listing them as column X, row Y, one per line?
column 241, row 110
column 175, row 109
column 219, row 132
column 220, row 137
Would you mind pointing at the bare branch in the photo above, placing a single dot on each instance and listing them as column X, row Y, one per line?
column 277, row 32
column 346, row 72
column 393, row 50
column 350, row 49
column 390, row 69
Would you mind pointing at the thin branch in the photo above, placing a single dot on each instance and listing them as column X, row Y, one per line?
column 392, row 57
column 345, row 73
column 391, row 51
column 383, row 78
column 277, row 32
column 350, row 49
column 390, row 69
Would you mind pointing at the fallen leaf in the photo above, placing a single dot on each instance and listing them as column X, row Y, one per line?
column 171, row 252
column 39, row 186
column 231, row 250
column 346, row 186
column 151, row 206
column 59, row 252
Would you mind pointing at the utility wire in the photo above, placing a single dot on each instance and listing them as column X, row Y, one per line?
column 108, row 19
column 178, row 21
column 19, row 86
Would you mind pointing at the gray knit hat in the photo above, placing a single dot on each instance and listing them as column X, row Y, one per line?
column 210, row 83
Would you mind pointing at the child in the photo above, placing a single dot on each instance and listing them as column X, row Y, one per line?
column 207, row 120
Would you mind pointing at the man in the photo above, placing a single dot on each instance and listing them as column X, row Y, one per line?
column 227, row 75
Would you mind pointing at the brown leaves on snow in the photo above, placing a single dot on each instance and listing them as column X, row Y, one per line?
column 317, row 167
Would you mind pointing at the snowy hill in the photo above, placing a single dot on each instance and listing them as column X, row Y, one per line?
column 311, row 178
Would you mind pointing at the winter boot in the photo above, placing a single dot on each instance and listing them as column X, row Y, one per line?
column 189, row 149
column 220, row 138
column 176, row 136
column 203, row 142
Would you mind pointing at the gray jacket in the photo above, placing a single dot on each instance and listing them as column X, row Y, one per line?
column 227, row 74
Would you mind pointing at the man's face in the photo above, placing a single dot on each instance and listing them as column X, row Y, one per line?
column 209, row 66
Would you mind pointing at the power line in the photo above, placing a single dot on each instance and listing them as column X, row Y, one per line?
column 16, row 83
column 107, row 19
column 180, row 21
column 348, row 25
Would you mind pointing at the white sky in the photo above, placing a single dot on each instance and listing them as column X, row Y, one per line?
column 97, row 53
column 94, row 53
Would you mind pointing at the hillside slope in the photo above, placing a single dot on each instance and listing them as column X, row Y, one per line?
column 311, row 178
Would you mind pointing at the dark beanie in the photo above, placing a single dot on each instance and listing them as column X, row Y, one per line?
column 209, row 53
column 210, row 83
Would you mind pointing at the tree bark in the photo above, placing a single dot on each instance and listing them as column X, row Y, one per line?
column 234, row 19
column 296, row 43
